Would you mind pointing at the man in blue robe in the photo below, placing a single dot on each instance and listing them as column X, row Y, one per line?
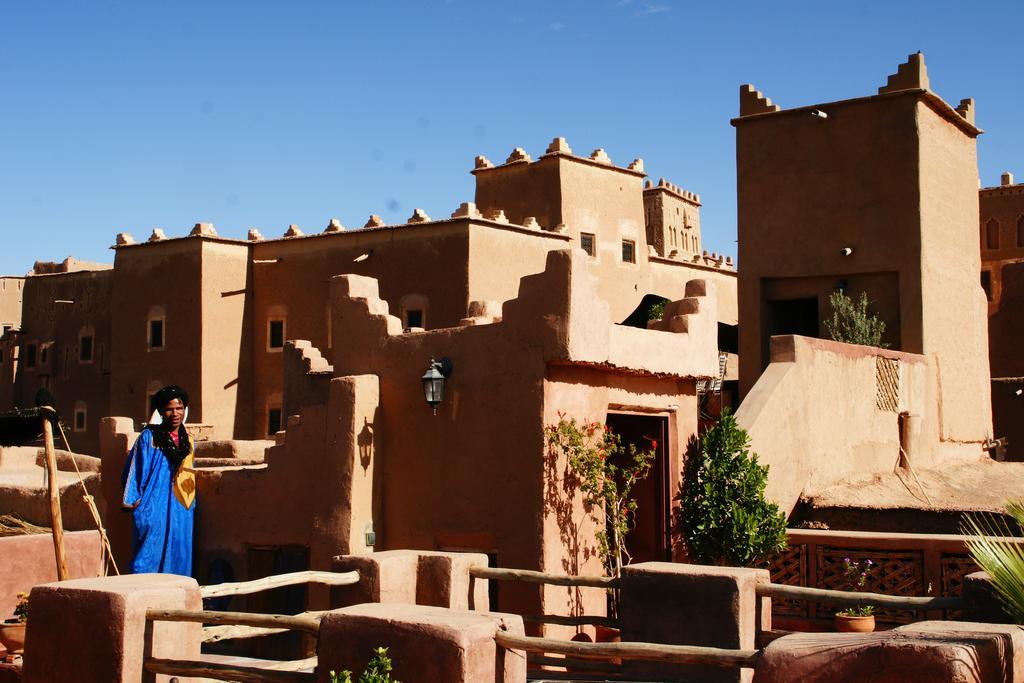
column 160, row 488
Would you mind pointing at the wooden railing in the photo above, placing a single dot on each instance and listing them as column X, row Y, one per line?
column 530, row 576
column 853, row 598
column 235, row 625
column 655, row 652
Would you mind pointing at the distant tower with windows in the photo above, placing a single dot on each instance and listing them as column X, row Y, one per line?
column 672, row 215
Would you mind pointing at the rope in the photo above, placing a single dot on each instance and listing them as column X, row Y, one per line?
column 106, row 550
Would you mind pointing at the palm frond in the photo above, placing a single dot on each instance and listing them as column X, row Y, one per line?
column 992, row 546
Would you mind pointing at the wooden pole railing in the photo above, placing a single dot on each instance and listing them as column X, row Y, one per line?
column 673, row 654
column 582, row 620
column 854, row 598
column 305, row 624
column 233, row 672
column 215, row 634
column 271, row 582
column 529, row 576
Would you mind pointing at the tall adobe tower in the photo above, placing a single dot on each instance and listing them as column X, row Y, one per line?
column 876, row 194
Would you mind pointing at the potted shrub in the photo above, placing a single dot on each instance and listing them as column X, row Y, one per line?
column 604, row 470
column 860, row 618
column 12, row 631
column 723, row 517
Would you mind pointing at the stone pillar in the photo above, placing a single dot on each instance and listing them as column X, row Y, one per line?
column 443, row 580
column 388, row 576
column 413, row 577
column 981, row 602
column 686, row 604
column 425, row 644
column 117, row 436
column 94, row 630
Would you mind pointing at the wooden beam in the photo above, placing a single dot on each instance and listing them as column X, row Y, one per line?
column 853, row 598
column 584, row 620
column 53, row 489
column 271, row 582
column 215, row 634
column 292, row 623
column 231, row 672
column 656, row 652
column 528, row 576
column 575, row 664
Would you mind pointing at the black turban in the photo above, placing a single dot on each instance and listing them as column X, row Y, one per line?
column 168, row 394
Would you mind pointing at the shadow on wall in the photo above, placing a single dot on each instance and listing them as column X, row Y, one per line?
column 561, row 491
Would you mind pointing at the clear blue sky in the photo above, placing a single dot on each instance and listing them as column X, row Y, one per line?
column 122, row 116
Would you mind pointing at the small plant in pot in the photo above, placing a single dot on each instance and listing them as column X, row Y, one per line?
column 859, row 618
column 12, row 631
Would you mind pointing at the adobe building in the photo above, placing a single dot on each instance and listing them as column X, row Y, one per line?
column 875, row 194
column 365, row 465
column 213, row 314
column 1002, row 278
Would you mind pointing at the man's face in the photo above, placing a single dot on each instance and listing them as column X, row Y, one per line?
column 173, row 413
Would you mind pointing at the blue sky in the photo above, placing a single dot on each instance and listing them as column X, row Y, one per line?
column 124, row 116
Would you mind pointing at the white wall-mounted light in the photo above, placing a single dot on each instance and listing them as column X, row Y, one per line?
column 846, row 251
column 819, row 114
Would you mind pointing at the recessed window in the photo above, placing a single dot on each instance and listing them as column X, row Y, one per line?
column 85, row 348
column 986, row 283
column 6, row 328
column 156, row 333
column 1, row 355
column 81, row 417
column 44, row 353
column 1020, row 231
column 30, row 356
column 992, row 234
column 275, row 334
column 587, row 243
column 413, row 318
column 273, row 421
column 628, row 251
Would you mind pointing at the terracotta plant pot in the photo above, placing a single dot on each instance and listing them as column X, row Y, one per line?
column 12, row 635
column 607, row 634
column 846, row 623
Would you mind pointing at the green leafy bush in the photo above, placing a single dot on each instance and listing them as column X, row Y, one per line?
column 723, row 517
column 851, row 322
column 378, row 670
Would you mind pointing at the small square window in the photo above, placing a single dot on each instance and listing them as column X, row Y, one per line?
column 628, row 251
column 587, row 243
column 79, row 420
column 275, row 334
column 85, row 349
column 413, row 318
column 273, row 421
column 30, row 355
column 156, row 333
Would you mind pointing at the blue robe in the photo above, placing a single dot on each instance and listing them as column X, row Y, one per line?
column 162, row 538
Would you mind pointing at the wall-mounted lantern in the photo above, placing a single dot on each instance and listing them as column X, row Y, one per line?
column 433, row 381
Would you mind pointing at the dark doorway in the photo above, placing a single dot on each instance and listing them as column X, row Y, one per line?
column 271, row 561
column 788, row 316
column 793, row 316
column 649, row 540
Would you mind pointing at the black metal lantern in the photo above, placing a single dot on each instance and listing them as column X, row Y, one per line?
column 433, row 381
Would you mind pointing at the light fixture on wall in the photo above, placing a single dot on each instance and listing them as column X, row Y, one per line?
column 434, row 380
column 819, row 114
column 846, row 251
